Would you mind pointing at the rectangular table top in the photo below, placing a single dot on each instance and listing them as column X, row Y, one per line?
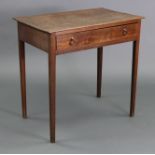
column 57, row 22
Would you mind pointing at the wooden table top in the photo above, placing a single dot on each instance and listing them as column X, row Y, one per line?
column 57, row 22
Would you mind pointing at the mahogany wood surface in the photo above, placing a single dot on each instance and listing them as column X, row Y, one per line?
column 99, row 70
column 96, row 38
column 34, row 37
column 77, row 20
column 60, row 33
column 21, row 45
column 52, row 85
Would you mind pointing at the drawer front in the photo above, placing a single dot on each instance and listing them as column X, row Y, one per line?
column 95, row 38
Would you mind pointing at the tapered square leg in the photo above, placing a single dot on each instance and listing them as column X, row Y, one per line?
column 22, row 77
column 99, row 70
column 52, row 88
column 134, row 77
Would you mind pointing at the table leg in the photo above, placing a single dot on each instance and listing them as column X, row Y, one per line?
column 99, row 70
column 23, row 77
column 52, row 89
column 134, row 76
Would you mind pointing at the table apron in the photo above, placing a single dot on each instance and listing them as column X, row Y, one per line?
column 75, row 41
column 34, row 37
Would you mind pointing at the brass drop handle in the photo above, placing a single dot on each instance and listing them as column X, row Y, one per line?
column 125, row 31
column 72, row 41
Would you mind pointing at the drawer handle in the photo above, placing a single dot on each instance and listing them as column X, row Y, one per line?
column 72, row 41
column 125, row 31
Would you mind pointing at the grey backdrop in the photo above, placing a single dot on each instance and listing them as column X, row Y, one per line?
column 85, row 124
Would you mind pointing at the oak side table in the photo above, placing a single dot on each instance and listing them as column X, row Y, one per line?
column 61, row 33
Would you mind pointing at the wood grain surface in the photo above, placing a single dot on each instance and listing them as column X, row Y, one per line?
column 57, row 22
column 96, row 38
